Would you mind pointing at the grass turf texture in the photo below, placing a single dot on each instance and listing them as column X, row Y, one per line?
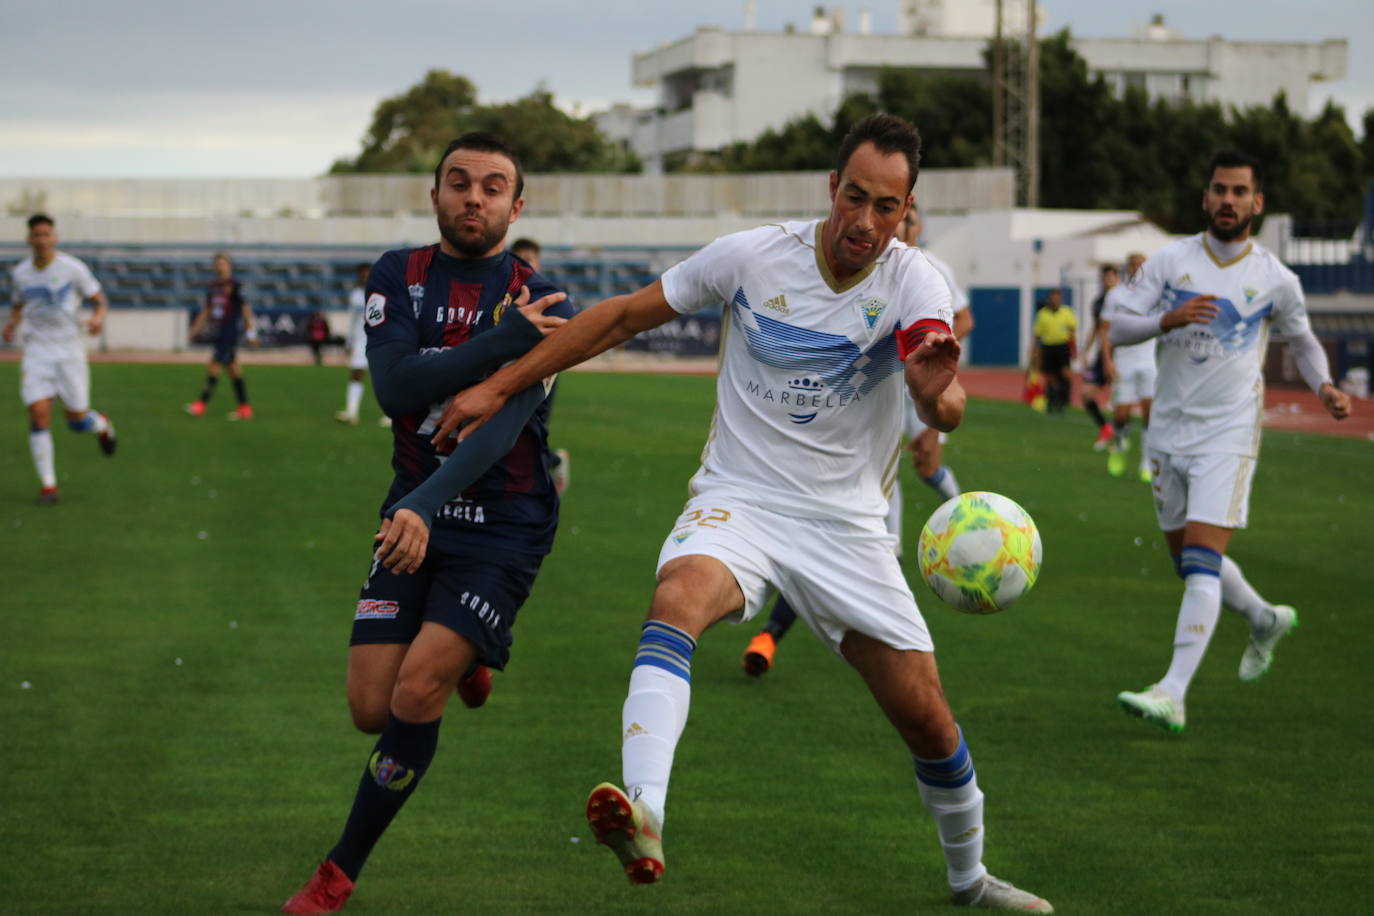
column 138, row 785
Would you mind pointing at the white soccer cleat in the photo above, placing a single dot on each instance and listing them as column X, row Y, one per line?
column 990, row 893
column 1154, row 705
column 1260, row 653
column 344, row 416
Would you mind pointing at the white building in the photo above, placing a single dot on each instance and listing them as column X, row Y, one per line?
column 718, row 87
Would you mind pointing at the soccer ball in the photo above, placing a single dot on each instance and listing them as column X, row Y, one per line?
column 980, row 552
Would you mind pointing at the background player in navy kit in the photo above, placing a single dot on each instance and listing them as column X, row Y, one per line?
column 463, row 531
column 224, row 307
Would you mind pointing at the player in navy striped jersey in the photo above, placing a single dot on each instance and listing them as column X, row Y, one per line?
column 463, row 529
column 224, row 308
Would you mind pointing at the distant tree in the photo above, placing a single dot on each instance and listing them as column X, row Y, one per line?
column 1367, row 144
column 410, row 130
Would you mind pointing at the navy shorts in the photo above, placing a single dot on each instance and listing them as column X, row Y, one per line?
column 225, row 353
column 474, row 595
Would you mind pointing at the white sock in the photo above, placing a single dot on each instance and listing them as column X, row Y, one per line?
column 943, row 482
column 1241, row 597
column 1144, row 455
column 40, row 445
column 958, row 813
column 355, row 398
column 1197, row 620
column 652, row 720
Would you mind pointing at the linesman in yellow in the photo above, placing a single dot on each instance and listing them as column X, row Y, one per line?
column 1052, row 348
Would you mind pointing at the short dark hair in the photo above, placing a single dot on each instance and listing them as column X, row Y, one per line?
column 889, row 134
column 1232, row 159
column 483, row 142
column 524, row 244
column 41, row 219
column 1110, row 268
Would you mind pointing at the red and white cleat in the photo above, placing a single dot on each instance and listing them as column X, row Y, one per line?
column 476, row 687
column 326, row 892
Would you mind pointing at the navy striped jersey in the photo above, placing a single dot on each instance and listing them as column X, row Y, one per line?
column 225, row 299
column 432, row 301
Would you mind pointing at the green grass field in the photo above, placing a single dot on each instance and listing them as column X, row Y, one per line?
column 183, row 745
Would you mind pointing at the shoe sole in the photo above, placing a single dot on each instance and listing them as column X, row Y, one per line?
column 1137, row 713
column 1265, row 670
column 612, row 820
column 756, row 664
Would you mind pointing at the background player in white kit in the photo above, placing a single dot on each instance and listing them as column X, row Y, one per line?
column 1131, row 371
column 357, row 352
column 49, row 287
column 825, row 322
column 1211, row 298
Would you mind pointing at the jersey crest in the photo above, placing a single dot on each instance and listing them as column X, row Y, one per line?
column 872, row 309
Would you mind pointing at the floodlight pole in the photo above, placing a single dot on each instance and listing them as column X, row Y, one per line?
column 1032, row 156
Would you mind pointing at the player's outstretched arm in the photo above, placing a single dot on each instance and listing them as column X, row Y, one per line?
column 406, row 380
column 102, row 305
column 931, row 372
column 590, row 332
column 404, row 535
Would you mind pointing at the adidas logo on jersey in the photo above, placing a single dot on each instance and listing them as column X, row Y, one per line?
column 777, row 303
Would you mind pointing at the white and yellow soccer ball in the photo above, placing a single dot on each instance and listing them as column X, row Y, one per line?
column 980, row 552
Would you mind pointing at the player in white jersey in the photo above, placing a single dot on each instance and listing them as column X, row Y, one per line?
column 357, row 351
column 1131, row 372
column 1211, row 299
column 927, row 451
column 49, row 287
column 826, row 319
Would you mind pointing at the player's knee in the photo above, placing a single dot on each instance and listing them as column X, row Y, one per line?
column 691, row 600
column 420, row 695
column 369, row 714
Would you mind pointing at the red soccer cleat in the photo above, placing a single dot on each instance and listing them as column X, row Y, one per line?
column 242, row 412
column 47, row 496
column 1104, row 436
column 476, row 687
column 107, row 438
column 196, row 408
column 758, row 656
column 326, row 892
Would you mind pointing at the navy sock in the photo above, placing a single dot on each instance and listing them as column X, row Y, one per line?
column 781, row 619
column 399, row 759
column 240, row 392
column 210, row 382
column 1096, row 413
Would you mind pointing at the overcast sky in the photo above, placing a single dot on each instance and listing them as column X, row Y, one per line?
column 283, row 87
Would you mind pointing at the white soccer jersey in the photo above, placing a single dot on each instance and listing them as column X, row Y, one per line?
column 809, row 393
column 1131, row 357
column 1210, row 394
column 52, row 300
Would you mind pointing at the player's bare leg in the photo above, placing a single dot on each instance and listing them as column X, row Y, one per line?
column 372, row 671
column 423, row 676
column 906, row 685
column 693, row 592
column 928, row 456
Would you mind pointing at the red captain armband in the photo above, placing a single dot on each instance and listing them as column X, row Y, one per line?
column 908, row 339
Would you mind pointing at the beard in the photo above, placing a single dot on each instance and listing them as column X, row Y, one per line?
column 1234, row 232
column 472, row 246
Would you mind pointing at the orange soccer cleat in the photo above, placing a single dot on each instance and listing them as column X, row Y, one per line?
column 758, row 655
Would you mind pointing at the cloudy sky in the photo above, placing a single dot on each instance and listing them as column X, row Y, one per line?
column 283, row 87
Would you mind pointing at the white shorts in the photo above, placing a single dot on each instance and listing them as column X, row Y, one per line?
column 65, row 377
column 912, row 424
column 1214, row 489
column 1133, row 386
column 838, row 576
column 357, row 354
